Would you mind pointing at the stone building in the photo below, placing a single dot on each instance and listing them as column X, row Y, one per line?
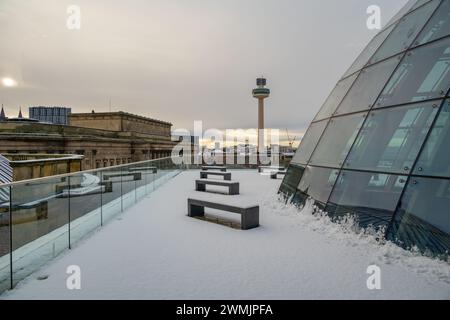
column 104, row 139
column 32, row 166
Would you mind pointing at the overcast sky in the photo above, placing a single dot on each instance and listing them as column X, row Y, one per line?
column 183, row 60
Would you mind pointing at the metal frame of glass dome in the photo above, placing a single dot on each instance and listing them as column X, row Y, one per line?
column 364, row 152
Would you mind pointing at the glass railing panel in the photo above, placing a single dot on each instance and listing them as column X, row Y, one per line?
column 86, row 191
column 49, row 215
column 40, row 223
column 146, row 170
column 130, row 178
column 5, row 248
column 112, row 197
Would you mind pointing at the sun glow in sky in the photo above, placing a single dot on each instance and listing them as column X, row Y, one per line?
column 9, row 82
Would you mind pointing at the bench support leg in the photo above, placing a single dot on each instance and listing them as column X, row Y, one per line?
column 196, row 211
column 250, row 219
column 200, row 187
column 234, row 189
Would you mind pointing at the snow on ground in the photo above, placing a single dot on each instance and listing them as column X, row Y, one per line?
column 154, row 251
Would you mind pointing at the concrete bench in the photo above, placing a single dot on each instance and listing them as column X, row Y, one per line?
column 225, row 175
column 249, row 215
column 221, row 168
column 269, row 168
column 139, row 169
column 136, row 176
column 274, row 175
column 233, row 187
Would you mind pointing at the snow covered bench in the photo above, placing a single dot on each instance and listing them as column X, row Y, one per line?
column 249, row 215
column 274, row 175
column 270, row 168
column 136, row 176
column 221, row 168
column 152, row 169
column 233, row 187
column 225, row 175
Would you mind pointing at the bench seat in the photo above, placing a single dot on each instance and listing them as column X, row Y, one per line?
column 233, row 186
column 225, row 175
column 206, row 168
column 274, row 175
column 249, row 214
column 270, row 168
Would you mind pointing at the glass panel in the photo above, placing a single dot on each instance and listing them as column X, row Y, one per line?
column 40, row 216
column 51, row 213
column 85, row 204
column 423, row 218
column 130, row 179
column 5, row 274
column 336, row 97
column 419, row 3
column 147, row 171
column 318, row 182
column 423, row 74
column 438, row 26
column 163, row 171
column 112, row 197
column 368, row 86
column 309, row 142
column 405, row 32
column 292, row 178
column 391, row 139
column 368, row 52
column 406, row 8
column 373, row 197
column 435, row 157
column 337, row 140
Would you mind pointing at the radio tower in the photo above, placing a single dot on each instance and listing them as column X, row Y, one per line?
column 261, row 93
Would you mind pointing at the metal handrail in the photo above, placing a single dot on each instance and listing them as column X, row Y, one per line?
column 65, row 175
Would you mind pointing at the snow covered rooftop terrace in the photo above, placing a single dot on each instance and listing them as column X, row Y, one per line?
column 154, row 251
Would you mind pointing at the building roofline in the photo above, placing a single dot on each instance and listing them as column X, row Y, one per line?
column 120, row 113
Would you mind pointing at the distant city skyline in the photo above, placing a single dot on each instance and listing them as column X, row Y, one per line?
column 183, row 61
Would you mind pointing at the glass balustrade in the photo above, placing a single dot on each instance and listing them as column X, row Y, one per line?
column 43, row 217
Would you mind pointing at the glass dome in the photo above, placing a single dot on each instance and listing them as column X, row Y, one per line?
column 379, row 147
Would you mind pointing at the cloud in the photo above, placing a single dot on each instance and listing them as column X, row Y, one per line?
column 181, row 60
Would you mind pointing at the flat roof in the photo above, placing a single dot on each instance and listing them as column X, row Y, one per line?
column 118, row 113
